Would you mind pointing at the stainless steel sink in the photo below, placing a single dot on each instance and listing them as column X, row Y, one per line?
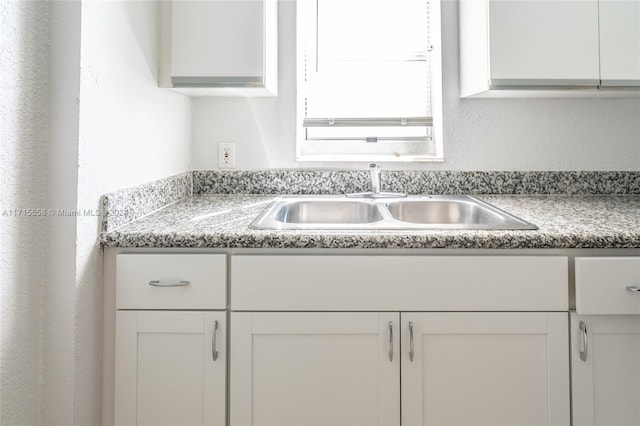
column 327, row 212
column 413, row 212
column 447, row 212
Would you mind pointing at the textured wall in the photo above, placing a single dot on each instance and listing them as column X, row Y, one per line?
column 81, row 115
column 23, row 159
column 130, row 132
column 59, row 355
column 502, row 134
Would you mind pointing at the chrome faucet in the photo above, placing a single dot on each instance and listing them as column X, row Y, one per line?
column 376, row 173
column 376, row 186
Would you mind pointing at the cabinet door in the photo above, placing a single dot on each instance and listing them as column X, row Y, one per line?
column 296, row 369
column 605, row 370
column 620, row 42
column 543, row 42
column 217, row 39
column 220, row 47
column 485, row 369
column 166, row 373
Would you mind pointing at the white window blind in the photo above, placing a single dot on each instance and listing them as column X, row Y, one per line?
column 366, row 76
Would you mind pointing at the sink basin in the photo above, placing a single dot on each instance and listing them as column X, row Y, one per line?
column 468, row 213
column 327, row 211
column 413, row 212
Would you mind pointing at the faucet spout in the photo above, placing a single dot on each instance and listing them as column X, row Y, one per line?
column 376, row 172
column 376, row 186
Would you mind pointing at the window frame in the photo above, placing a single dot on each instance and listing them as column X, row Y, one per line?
column 339, row 151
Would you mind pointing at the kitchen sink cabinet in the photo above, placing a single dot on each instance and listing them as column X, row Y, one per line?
column 336, row 368
column 418, row 368
column 330, row 369
column 339, row 339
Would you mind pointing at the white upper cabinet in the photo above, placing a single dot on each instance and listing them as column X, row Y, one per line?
column 620, row 43
column 220, row 47
column 516, row 48
column 543, row 43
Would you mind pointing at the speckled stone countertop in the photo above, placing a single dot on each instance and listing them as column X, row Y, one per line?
column 221, row 221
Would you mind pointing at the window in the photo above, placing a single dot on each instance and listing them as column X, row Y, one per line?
column 368, row 80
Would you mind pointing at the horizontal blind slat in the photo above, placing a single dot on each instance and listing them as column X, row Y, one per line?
column 367, row 122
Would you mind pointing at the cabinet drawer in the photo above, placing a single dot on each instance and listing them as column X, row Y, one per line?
column 171, row 281
column 601, row 285
column 391, row 283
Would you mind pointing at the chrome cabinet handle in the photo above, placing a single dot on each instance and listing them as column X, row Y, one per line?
column 214, row 352
column 159, row 283
column 584, row 344
column 633, row 288
column 410, row 341
column 390, row 340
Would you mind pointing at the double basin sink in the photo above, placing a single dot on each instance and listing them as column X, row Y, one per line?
column 412, row 212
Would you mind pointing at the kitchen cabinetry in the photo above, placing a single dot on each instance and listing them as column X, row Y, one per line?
column 170, row 354
column 507, row 47
column 606, row 383
column 619, row 22
column 294, row 369
column 220, row 48
column 457, row 367
column 606, row 342
column 506, row 368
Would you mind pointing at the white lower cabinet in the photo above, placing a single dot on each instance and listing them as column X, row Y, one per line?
column 507, row 368
column 170, row 368
column 605, row 342
column 345, row 340
column 605, row 370
column 170, row 339
column 367, row 369
column 399, row 340
column 329, row 369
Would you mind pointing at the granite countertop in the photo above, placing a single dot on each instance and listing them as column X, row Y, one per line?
column 221, row 221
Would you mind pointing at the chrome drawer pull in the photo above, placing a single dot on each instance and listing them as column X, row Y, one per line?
column 214, row 351
column 584, row 344
column 390, row 340
column 158, row 283
column 633, row 288
column 410, row 341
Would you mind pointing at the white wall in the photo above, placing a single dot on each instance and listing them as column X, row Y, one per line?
column 81, row 116
column 131, row 132
column 23, row 164
column 525, row 134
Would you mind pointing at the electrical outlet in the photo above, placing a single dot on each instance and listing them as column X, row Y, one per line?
column 226, row 155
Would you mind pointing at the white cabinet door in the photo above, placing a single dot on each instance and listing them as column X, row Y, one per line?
column 217, row 38
column 485, row 369
column 543, row 42
column 605, row 370
column 296, row 369
column 620, row 42
column 221, row 47
column 166, row 373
